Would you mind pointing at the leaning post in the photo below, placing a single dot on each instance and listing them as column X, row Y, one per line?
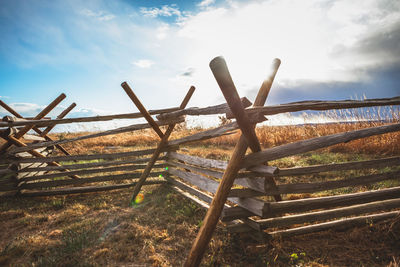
column 221, row 74
column 142, row 109
column 60, row 116
column 160, row 145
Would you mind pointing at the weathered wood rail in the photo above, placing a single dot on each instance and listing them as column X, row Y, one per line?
column 246, row 192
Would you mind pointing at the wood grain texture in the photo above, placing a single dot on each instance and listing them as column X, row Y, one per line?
column 87, row 171
column 142, row 109
column 320, row 105
column 80, row 190
column 44, row 123
column 195, row 111
column 86, row 165
column 255, row 171
column 354, row 210
column 211, row 186
column 95, row 179
column 314, row 143
column 256, row 183
column 297, row 188
column 222, row 76
column 354, row 165
column 336, row 225
column 198, row 161
column 229, row 214
column 308, row 204
column 105, row 156
column 207, row 134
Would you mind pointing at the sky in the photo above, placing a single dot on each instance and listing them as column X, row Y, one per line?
column 330, row 50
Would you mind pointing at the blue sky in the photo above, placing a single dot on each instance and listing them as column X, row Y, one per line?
column 329, row 50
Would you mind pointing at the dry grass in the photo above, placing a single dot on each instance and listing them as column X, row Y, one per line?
column 269, row 136
column 100, row 229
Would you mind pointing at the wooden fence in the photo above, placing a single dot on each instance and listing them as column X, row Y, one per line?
column 245, row 193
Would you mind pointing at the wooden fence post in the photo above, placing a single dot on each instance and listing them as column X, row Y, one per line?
column 142, row 109
column 43, row 113
column 221, row 73
column 48, row 129
column 160, row 146
column 60, row 116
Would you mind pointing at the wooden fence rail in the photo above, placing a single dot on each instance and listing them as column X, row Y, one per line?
column 83, row 165
column 291, row 107
column 95, row 179
column 314, row 144
column 105, row 156
column 105, row 133
column 42, row 123
column 320, row 105
column 356, row 165
column 87, row 171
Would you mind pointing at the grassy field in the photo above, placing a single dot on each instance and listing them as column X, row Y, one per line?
column 100, row 229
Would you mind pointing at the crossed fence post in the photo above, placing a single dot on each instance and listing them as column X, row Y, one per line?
column 247, row 139
column 48, row 129
column 164, row 136
column 25, row 129
column 14, row 139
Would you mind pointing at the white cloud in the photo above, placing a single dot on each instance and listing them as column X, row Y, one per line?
column 162, row 31
column 302, row 34
column 144, row 63
column 205, row 3
column 32, row 109
column 164, row 11
column 84, row 112
column 316, row 41
column 29, row 109
column 101, row 15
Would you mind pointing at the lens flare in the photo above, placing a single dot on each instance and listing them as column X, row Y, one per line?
column 139, row 198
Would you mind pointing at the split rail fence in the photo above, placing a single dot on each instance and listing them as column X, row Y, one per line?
column 245, row 193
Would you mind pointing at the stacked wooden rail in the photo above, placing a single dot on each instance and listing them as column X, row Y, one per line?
column 206, row 173
column 256, row 198
column 200, row 177
column 97, row 173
